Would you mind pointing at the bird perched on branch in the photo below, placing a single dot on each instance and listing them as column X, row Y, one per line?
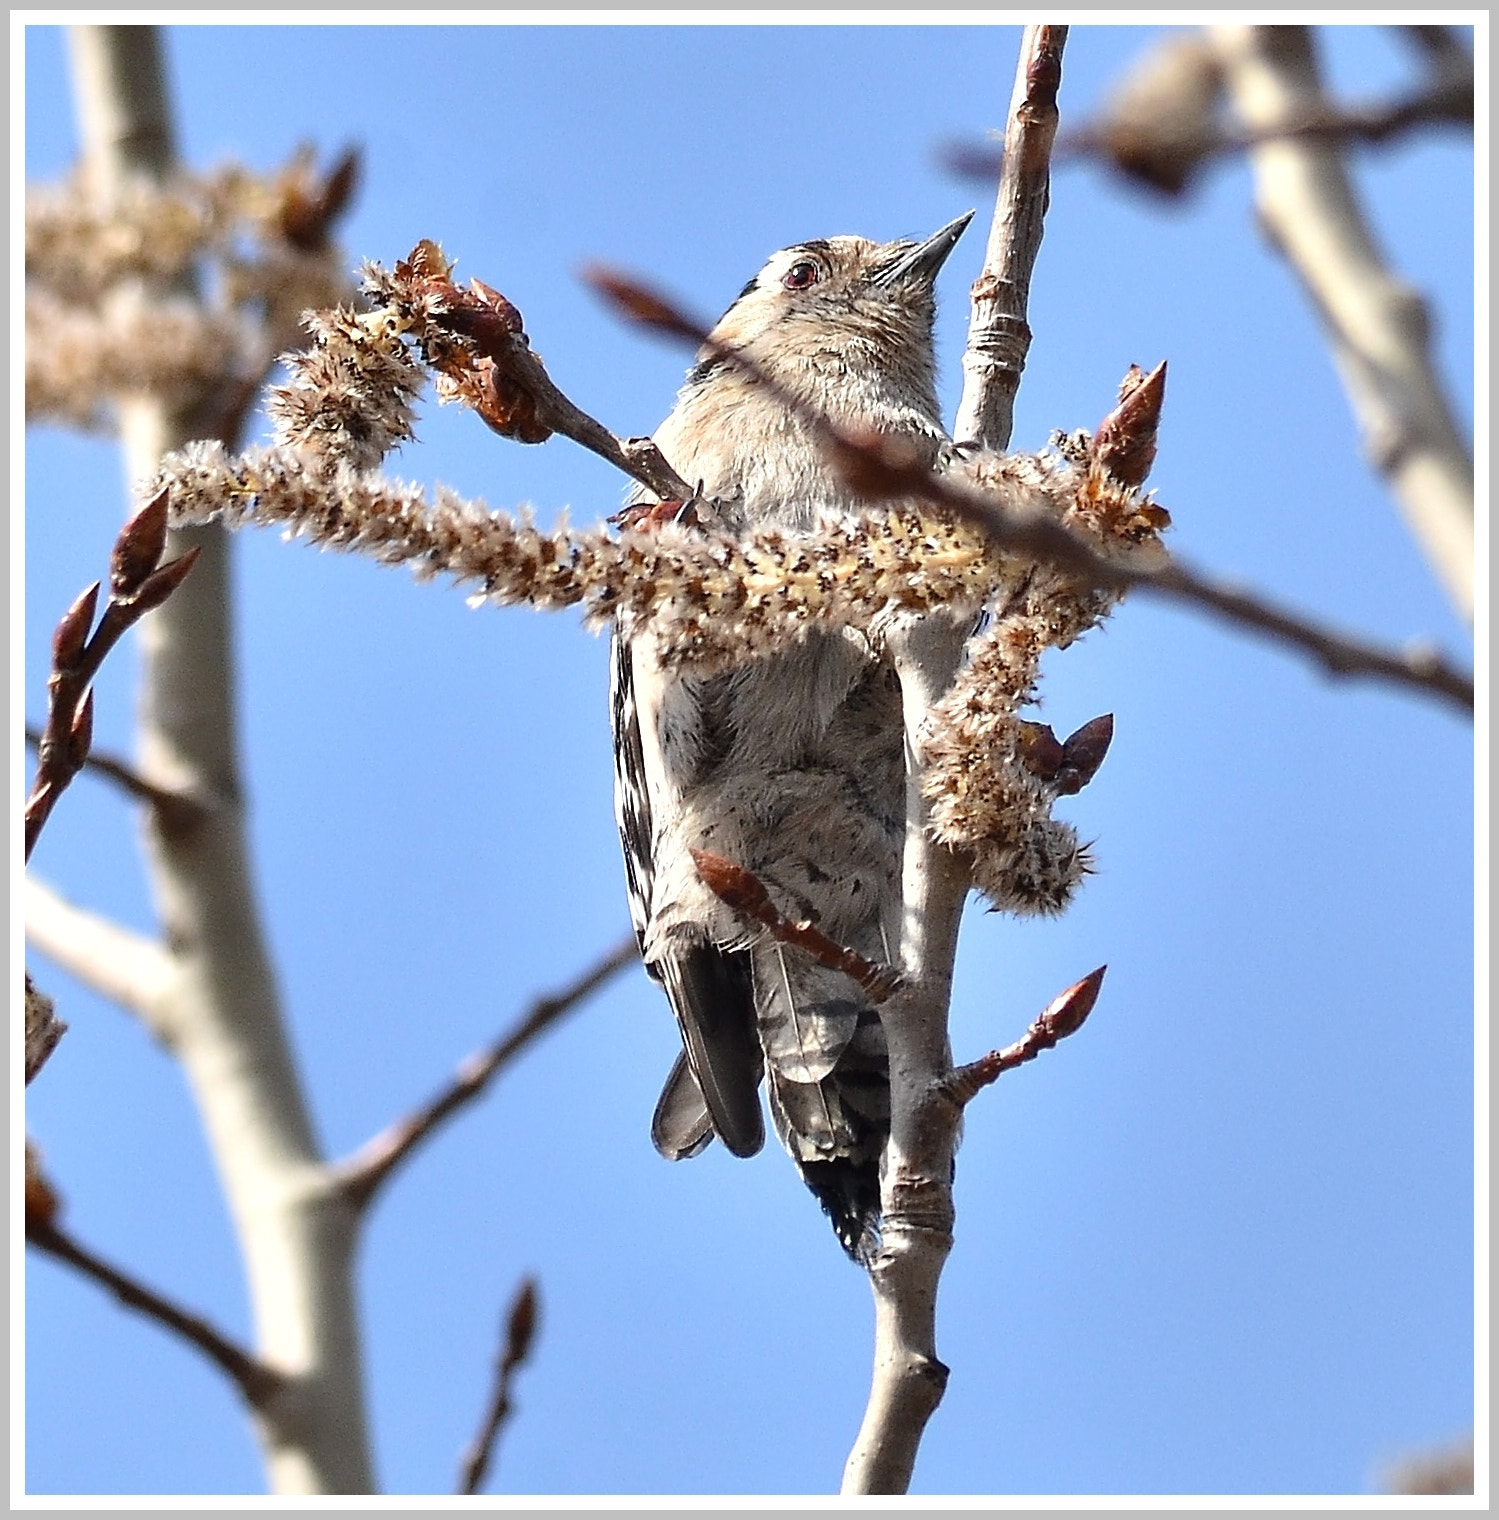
column 791, row 765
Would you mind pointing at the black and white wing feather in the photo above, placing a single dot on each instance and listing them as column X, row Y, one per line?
column 714, row 1086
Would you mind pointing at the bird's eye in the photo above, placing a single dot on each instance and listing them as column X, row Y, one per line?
column 801, row 274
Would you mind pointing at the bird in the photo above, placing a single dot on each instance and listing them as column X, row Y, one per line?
column 791, row 765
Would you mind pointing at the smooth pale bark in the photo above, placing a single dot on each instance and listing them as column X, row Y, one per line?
column 1378, row 327
column 219, row 1011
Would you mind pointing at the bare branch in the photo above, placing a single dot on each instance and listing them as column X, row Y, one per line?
column 520, row 1332
column 176, row 808
column 361, row 1175
column 1379, row 328
column 745, row 893
column 880, row 469
column 1063, row 1016
column 257, row 1383
column 1161, row 128
column 129, row 969
column 138, row 584
column 221, row 1006
column 998, row 334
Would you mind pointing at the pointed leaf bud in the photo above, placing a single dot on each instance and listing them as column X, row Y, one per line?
column 138, row 549
column 1083, row 753
column 1040, row 751
column 157, row 588
column 69, row 640
column 1125, row 444
column 521, row 1328
column 81, row 734
column 1065, row 1013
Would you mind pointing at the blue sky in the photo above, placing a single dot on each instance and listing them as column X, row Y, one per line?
column 1221, row 1242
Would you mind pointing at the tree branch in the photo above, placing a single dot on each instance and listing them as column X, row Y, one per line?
column 361, row 1175
column 173, row 805
column 520, row 1332
column 1378, row 327
column 257, row 1383
column 221, row 1005
column 1064, row 1015
column 138, row 583
column 998, row 335
column 129, row 969
column 917, row 1213
column 881, row 470
column 746, row 894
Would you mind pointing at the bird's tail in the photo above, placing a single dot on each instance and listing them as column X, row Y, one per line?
column 828, row 1078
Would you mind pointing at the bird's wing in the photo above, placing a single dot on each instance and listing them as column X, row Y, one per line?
column 709, row 989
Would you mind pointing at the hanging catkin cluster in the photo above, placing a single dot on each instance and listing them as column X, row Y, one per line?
column 991, row 778
column 171, row 289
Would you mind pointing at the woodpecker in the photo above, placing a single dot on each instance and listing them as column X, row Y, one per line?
column 792, row 765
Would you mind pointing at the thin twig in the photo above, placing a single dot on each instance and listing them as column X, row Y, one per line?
column 881, row 469
column 745, row 893
column 998, row 334
column 131, row 782
column 139, row 582
column 258, row 1383
column 361, row 1175
column 1063, row 1016
column 520, row 1332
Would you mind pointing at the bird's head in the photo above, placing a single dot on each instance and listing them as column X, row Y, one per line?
column 843, row 306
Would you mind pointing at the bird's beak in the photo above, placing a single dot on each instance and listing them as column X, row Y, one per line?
column 924, row 260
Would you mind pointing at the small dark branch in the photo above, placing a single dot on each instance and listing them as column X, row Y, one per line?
column 1063, row 1016
column 520, row 1332
column 177, row 809
column 496, row 373
column 999, row 336
column 257, row 1382
column 1162, row 130
column 361, row 1175
column 745, row 893
column 136, row 586
column 43, row 1029
column 882, row 469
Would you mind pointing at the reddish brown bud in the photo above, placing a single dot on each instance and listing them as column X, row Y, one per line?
column 72, row 631
column 1065, row 1013
column 1125, row 444
column 157, row 588
column 339, row 187
column 1039, row 749
column 520, row 1330
column 1082, row 754
column 138, row 549
column 43, row 1203
column 81, row 734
